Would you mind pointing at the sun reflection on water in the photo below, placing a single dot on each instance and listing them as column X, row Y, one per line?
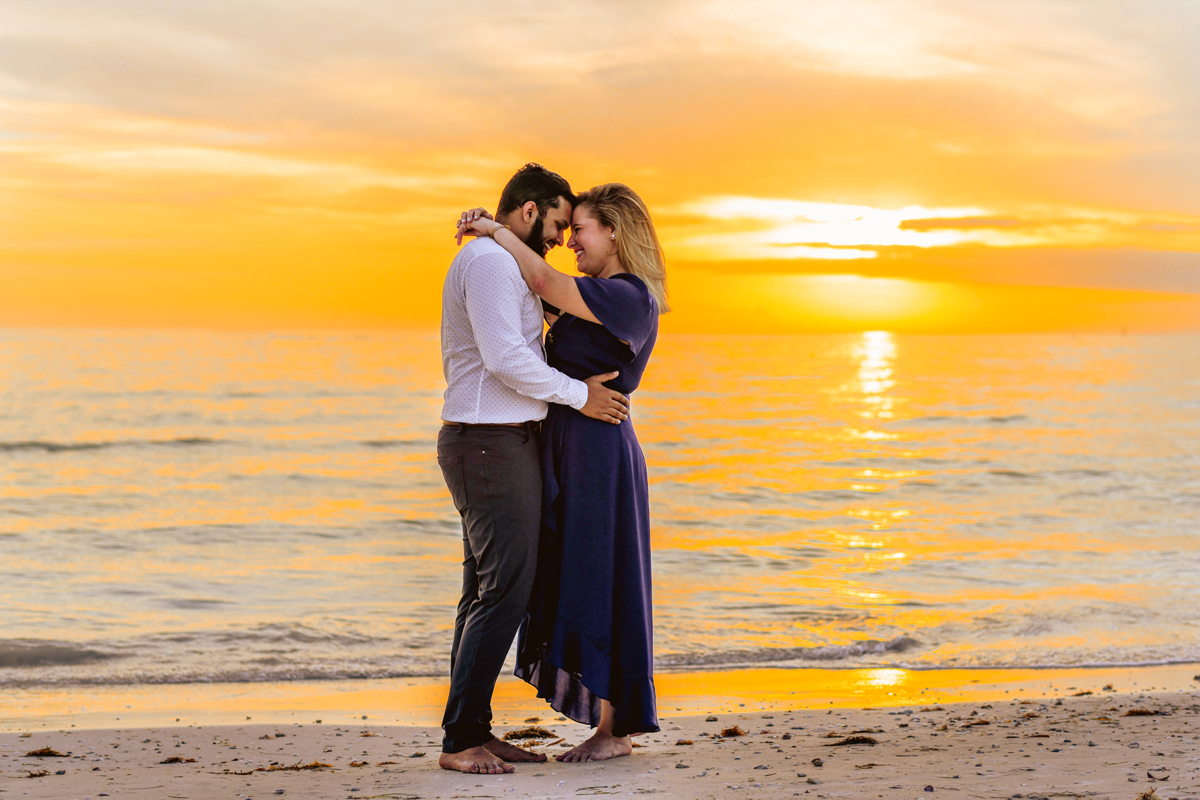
column 883, row 677
column 874, row 369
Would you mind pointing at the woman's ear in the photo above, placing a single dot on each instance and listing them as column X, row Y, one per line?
column 529, row 211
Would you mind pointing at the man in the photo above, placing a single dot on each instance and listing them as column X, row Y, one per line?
column 497, row 388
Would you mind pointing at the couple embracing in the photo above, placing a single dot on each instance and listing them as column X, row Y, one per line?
column 544, row 467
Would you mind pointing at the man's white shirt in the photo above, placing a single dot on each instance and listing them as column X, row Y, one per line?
column 492, row 353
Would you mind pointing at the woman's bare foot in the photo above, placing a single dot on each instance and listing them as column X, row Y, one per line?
column 601, row 747
column 510, row 752
column 474, row 760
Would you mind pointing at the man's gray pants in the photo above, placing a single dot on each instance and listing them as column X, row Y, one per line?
column 494, row 476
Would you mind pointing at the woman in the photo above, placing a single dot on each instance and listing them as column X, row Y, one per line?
column 587, row 644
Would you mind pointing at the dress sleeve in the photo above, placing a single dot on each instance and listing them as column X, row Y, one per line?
column 623, row 305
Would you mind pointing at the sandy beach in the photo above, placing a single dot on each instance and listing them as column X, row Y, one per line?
column 1090, row 742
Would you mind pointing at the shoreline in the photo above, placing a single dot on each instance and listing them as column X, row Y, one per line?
column 1113, row 745
column 419, row 701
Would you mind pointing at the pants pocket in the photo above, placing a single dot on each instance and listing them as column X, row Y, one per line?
column 452, row 471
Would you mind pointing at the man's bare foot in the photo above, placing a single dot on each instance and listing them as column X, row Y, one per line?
column 474, row 760
column 601, row 747
column 510, row 752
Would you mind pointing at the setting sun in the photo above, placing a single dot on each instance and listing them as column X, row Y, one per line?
column 864, row 302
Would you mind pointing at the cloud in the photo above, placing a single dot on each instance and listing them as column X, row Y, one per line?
column 212, row 161
column 155, row 56
column 941, row 223
column 801, row 229
column 794, row 229
column 1078, row 56
column 1102, row 269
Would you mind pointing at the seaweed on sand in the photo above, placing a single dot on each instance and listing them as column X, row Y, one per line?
column 854, row 740
column 532, row 732
column 297, row 766
column 45, row 752
column 530, row 744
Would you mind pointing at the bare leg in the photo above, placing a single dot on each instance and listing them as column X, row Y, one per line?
column 475, row 760
column 602, row 745
column 511, row 752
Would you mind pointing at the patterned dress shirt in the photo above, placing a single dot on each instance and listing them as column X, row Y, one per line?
column 492, row 353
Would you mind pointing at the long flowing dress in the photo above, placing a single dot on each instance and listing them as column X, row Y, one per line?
column 589, row 632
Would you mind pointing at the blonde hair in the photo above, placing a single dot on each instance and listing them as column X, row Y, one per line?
column 616, row 206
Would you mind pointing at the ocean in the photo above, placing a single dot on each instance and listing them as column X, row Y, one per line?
column 188, row 506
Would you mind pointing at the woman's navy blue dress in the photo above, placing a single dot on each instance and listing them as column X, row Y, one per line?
column 589, row 633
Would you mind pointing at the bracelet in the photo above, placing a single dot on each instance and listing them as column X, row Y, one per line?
column 496, row 229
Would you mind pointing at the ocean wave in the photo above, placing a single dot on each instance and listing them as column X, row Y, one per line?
column 277, row 633
column 963, row 420
column 385, row 443
column 269, row 653
column 268, row 634
column 249, row 674
column 32, row 653
column 228, row 658
column 68, row 447
column 842, row 652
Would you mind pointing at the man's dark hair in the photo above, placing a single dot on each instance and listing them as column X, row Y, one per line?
column 534, row 182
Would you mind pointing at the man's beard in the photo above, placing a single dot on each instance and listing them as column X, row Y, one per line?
column 535, row 241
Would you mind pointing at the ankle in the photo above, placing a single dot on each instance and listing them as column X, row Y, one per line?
column 608, row 734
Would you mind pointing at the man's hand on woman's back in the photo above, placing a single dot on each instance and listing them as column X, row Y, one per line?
column 604, row 403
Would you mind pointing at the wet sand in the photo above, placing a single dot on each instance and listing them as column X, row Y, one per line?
column 1105, row 743
column 419, row 701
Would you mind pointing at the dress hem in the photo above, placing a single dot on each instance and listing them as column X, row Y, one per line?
column 578, row 690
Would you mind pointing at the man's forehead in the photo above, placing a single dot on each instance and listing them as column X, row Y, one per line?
column 561, row 212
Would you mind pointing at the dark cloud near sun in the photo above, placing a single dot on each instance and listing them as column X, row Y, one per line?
column 952, row 223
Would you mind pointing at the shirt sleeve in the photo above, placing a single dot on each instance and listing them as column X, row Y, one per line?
column 623, row 305
column 494, row 291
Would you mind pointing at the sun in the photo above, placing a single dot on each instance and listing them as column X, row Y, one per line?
column 870, row 302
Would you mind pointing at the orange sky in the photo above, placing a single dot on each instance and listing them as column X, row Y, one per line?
column 915, row 165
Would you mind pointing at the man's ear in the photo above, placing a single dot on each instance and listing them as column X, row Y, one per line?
column 529, row 212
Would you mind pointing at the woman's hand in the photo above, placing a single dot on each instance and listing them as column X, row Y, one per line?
column 476, row 222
